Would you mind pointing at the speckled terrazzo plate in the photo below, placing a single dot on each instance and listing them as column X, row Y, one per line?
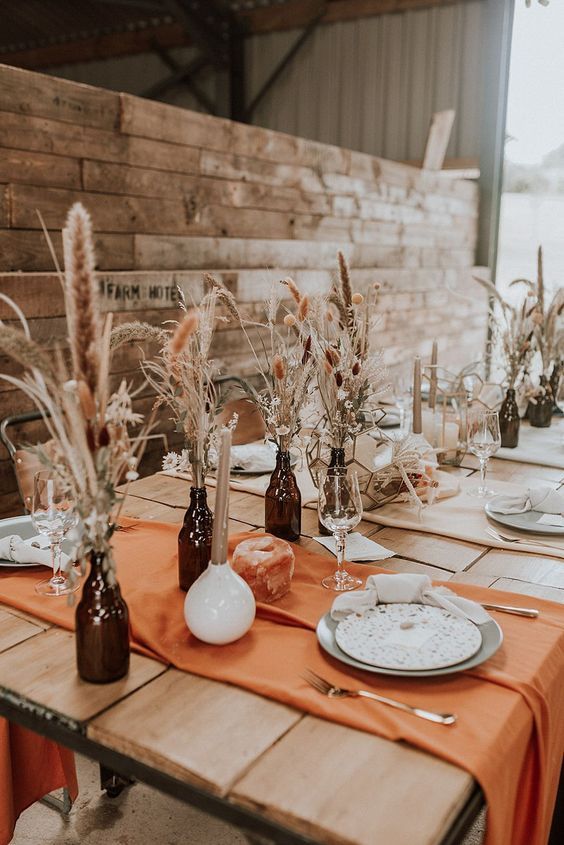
column 408, row 636
column 491, row 633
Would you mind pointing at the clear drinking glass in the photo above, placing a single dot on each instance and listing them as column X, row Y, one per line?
column 52, row 515
column 484, row 439
column 403, row 393
column 340, row 510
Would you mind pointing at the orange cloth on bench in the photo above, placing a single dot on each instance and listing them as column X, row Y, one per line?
column 30, row 767
column 510, row 729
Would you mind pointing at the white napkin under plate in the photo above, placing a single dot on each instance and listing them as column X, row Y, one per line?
column 405, row 588
column 13, row 548
column 542, row 499
column 359, row 547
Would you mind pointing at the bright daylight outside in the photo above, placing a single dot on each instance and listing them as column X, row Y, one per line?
column 532, row 209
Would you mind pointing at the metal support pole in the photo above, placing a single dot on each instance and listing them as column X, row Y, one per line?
column 237, row 94
column 497, row 30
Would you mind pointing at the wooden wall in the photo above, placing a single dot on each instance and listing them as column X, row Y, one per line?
column 174, row 192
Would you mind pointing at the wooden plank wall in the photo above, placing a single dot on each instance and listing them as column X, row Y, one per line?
column 174, row 192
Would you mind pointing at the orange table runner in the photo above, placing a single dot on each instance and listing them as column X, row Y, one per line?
column 510, row 729
column 30, row 767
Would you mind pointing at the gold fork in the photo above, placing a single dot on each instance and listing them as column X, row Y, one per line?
column 332, row 691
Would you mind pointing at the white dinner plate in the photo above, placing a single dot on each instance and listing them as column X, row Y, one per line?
column 492, row 638
column 527, row 521
column 408, row 636
column 23, row 527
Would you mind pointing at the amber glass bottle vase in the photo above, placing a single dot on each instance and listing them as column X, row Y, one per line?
column 540, row 411
column 194, row 539
column 283, row 501
column 102, row 627
column 337, row 460
column 509, row 420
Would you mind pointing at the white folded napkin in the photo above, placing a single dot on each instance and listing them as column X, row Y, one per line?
column 542, row 499
column 405, row 588
column 15, row 549
column 256, row 457
column 359, row 547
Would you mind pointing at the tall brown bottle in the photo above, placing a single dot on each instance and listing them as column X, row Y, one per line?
column 102, row 627
column 540, row 411
column 283, row 501
column 509, row 420
column 337, row 460
column 195, row 539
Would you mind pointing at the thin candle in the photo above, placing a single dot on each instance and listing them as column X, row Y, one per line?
column 221, row 517
column 433, row 383
column 417, row 425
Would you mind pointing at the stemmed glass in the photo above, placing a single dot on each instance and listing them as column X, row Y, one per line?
column 403, row 388
column 340, row 510
column 52, row 515
column 559, row 400
column 484, row 439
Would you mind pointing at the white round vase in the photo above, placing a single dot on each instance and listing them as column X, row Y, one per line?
column 219, row 607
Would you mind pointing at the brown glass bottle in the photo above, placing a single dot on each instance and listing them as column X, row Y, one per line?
column 509, row 420
column 195, row 539
column 337, row 460
column 102, row 627
column 283, row 501
column 555, row 378
column 540, row 412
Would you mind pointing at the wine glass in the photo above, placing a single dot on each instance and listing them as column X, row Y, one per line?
column 340, row 510
column 53, row 515
column 403, row 393
column 484, row 439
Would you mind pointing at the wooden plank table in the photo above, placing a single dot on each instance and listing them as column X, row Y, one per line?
column 279, row 774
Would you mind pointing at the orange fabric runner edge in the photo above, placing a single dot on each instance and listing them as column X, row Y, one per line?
column 510, row 729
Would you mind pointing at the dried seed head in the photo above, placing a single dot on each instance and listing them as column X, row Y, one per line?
column 307, row 349
column 357, row 299
column 293, row 288
column 303, row 308
column 183, row 332
column 290, row 320
column 328, row 368
column 376, row 285
column 278, row 367
column 330, row 316
column 339, row 378
column 356, row 368
column 86, row 399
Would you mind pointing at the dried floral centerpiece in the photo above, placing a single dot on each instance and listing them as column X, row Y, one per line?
column 91, row 450
column 512, row 337
column 283, row 356
column 547, row 340
column 182, row 375
column 350, row 372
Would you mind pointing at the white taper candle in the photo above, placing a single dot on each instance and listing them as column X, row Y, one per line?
column 221, row 516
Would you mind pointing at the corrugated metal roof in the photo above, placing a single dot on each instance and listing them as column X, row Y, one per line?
column 27, row 24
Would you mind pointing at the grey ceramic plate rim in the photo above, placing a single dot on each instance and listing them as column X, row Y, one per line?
column 14, row 525
column 523, row 522
column 492, row 638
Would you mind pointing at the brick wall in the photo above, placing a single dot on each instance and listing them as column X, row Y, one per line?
column 174, row 192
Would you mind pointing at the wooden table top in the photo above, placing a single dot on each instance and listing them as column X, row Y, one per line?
column 329, row 783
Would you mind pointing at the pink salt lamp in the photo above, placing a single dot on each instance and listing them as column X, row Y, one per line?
column 266, row 563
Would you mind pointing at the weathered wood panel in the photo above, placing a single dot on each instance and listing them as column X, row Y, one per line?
column 175, row 193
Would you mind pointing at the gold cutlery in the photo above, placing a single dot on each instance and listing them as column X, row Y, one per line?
column 332, row 691
column 505, row 539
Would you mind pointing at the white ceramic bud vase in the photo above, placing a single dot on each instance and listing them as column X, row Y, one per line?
column 219, row 606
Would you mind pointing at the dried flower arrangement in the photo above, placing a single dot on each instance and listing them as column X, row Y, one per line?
column 350, row 372
column 182, row 376
column 512, row 332
column 283, row 357
column 92, row 450
column 548, row 332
